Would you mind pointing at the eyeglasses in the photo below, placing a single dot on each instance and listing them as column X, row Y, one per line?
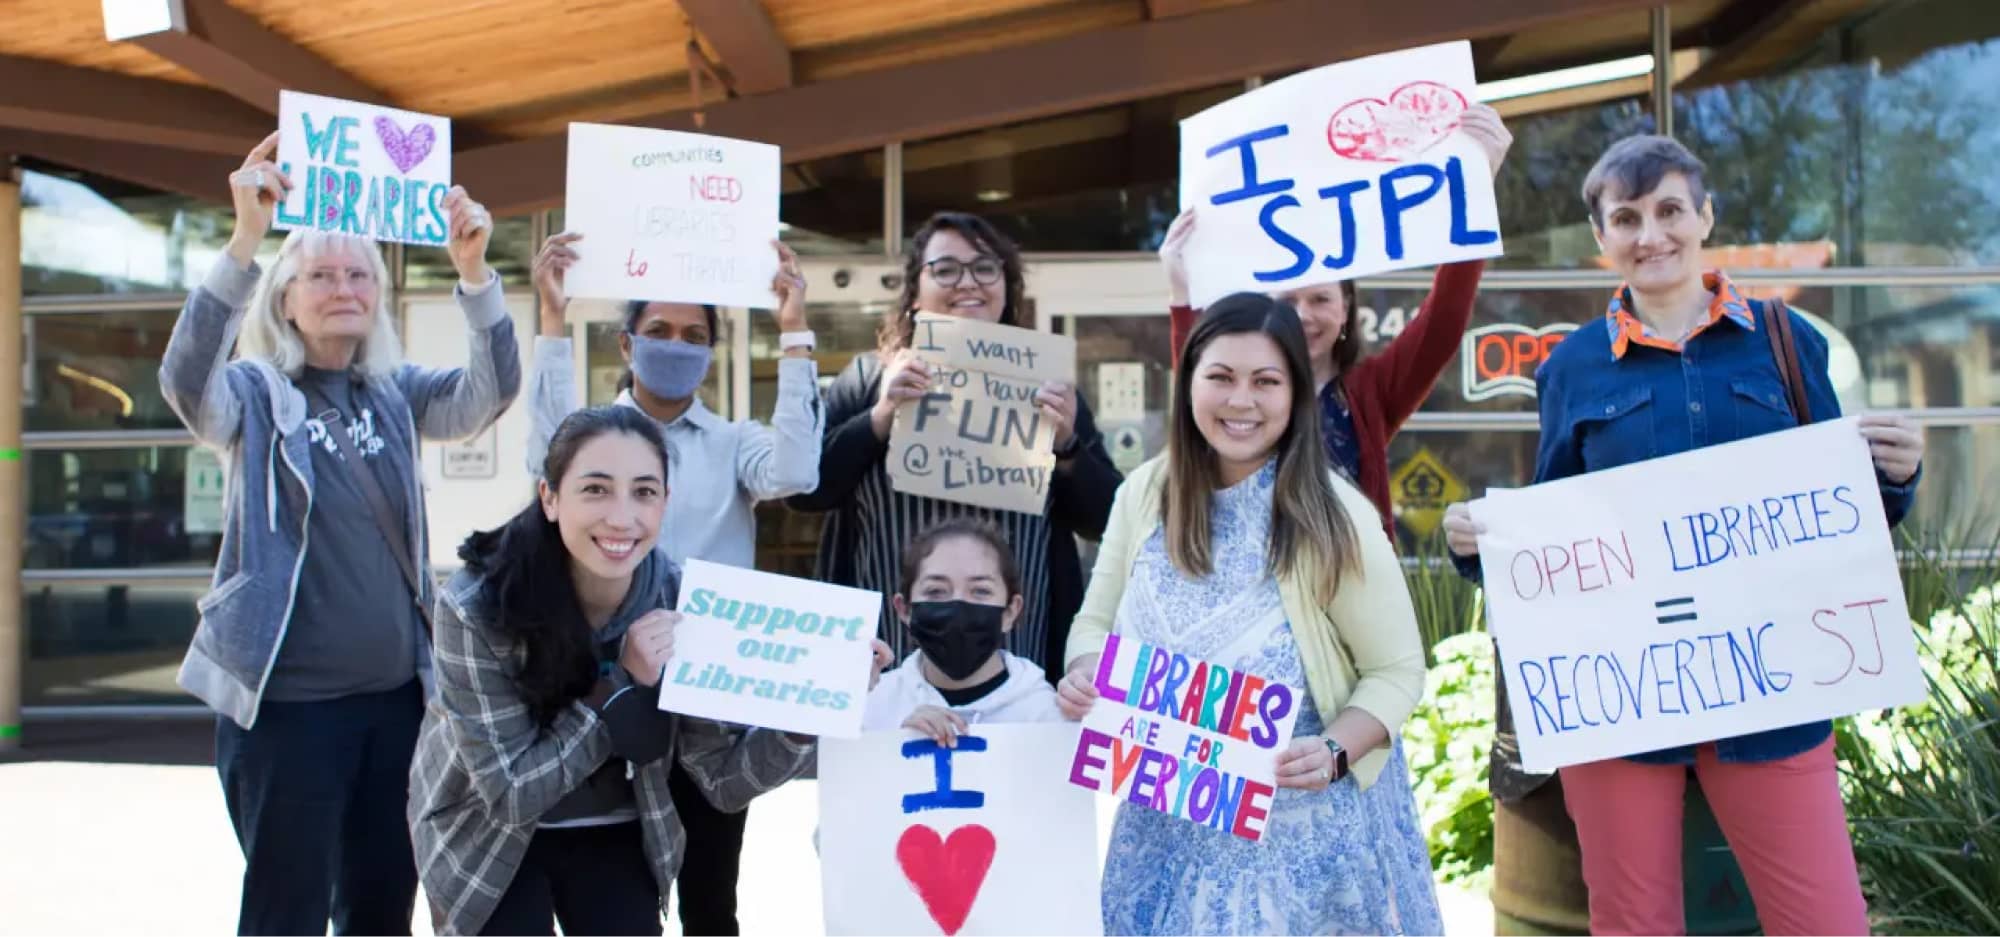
column 325, row 281
column 948, row 271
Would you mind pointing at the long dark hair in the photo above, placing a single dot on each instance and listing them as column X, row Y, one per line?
column 528, row 591
column 1311, row 534
column 895, row 330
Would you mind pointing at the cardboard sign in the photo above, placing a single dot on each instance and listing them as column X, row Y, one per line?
column 374, row 172
column 977, row 437
column 1337, row 173
column 671, row 217
column 984, row 838
column 1185, row 737
column 757, row 649
column 1711, row 594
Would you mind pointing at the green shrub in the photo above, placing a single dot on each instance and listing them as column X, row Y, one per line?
column 1922, row 783
column 1447, row 741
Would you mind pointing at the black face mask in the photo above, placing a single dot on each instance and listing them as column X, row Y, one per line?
column 956, row 636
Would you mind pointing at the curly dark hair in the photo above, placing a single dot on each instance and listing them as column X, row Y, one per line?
column 896, row 329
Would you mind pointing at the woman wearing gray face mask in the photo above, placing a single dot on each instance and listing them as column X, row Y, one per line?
column 719, row 471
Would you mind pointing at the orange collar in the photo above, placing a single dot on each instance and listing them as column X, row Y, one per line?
column 1627, row 330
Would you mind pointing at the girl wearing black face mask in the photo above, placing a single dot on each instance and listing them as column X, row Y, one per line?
column 962, row 594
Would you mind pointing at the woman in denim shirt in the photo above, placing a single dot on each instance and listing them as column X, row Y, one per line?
column 1679, row 362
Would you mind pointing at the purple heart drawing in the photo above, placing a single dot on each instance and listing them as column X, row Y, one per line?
column 406, row 150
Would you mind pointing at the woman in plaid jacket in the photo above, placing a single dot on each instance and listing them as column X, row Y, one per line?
column 539, row 791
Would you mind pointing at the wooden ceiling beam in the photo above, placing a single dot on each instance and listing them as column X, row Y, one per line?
column 242, row 57
column 1071, row 73
column 49, row 97
column 197, row 175
column 1164, row 9
column 747, row 41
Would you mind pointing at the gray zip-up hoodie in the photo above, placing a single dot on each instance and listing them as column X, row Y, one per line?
column 254, row 417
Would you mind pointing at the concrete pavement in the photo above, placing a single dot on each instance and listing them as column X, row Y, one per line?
column 121, row 830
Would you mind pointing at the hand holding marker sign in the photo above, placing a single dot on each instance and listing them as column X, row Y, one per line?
column 765, row 650
column 1185, row 737
column 984, row 838
column 374, row 172
column 672, row 216
column 1336, row 173
column 978, row 436
column 1719, row 592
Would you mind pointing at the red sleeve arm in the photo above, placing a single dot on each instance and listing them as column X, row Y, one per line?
column 1401, row 376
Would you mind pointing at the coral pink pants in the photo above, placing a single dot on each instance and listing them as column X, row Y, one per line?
column 1784, row 820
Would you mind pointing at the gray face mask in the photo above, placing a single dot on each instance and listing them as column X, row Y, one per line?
column 670, row 368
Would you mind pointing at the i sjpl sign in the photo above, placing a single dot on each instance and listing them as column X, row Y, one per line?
column 1500, row 360
column 1421, row 488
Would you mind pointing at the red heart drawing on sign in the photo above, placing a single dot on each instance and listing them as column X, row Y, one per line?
column 946, row 873
column 1415, row 118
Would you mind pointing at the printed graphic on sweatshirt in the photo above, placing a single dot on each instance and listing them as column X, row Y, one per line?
column 360, row 431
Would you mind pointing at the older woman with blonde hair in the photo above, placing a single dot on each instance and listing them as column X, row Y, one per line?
column 314, row 642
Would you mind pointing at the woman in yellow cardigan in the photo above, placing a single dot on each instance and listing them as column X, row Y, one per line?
column 1241, row 546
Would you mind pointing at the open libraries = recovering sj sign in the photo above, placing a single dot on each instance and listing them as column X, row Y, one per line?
column 978, row 438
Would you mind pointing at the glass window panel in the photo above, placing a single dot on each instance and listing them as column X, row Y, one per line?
column 97, row 371
column 121, row 508
column 84, row 234
column 106, row 644
column 1868, row 147
column 833, row 205
column 511, row 252
column 1097, row 180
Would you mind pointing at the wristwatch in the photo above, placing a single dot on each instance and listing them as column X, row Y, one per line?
column 1339, row 758
column 790, row 340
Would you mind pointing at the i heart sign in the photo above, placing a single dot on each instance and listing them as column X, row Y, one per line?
column 1416, row 117
column 946, row 873
column 406, row 150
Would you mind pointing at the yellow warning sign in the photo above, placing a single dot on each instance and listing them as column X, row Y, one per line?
column 1421, row 489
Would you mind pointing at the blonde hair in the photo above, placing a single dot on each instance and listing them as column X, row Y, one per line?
column 270, row 337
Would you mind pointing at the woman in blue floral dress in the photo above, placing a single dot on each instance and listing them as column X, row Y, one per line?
column 1240, row 546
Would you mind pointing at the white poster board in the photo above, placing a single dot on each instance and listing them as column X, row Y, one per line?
column 1186, row 737
column 984, row 838
column 668, row 216
column 759, row 649
column 1335, row 173
column 977, row 437
column 1711, row 594
column 361, row 169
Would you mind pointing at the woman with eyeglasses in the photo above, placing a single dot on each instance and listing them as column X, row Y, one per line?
column 957, row 265
column 313, row 641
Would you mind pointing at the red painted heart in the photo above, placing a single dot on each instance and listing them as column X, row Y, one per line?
column 946, row 873
column 406, row 150
column 1415, row 118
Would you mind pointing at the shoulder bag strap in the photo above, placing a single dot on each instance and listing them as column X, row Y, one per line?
column 1785, row 350
column 378, row 503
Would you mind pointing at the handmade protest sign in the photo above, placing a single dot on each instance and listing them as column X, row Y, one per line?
column 671, row 217
column 1338, row 172
column 1715, row 593
column 984, row 838
column 764, row 650
column 1185, row 737
column 977, row 437
column 374, row 172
